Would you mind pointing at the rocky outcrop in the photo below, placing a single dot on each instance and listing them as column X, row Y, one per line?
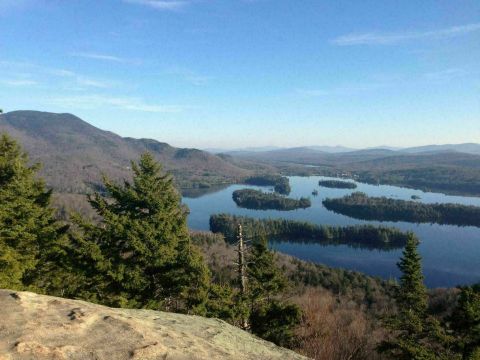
column 35, row 326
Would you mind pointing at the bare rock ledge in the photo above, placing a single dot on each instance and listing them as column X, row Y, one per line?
column 35, row 326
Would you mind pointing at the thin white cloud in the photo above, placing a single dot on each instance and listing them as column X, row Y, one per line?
column 386, row 81
column 189, row 76
column 85, row 81
column 394, row 38
column 61, row 72
column 349, row 89
column 42, row 71
column 125, row 103
column 102, row 57
column 19, row 82
column 171, row 5
column 447, row 74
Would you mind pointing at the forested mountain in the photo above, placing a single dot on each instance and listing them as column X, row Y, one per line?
column 74, row 153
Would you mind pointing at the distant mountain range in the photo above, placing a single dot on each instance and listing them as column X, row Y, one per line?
column 75, row 154
column 246, row 149
column 468, row 148
column 328, row 149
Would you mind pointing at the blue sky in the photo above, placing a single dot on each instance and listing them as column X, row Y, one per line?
column 235, row 73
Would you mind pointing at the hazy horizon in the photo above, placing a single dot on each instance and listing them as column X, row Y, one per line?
column 266, row 146
column 249, row 73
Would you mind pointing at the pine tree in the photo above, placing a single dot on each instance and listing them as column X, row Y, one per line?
column 270, row 317
column 224, row 303
column 265, row 278
column 466, row 323
column 29, row 233
column 415, row 335
column 140, row 254
column 275, row 321
column 412, row 295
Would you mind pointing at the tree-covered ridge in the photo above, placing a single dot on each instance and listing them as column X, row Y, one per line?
column 361, row 206
column 259, row 200
column 75, row 154
column 337, row 184
column 366, row 236
column 280, row 183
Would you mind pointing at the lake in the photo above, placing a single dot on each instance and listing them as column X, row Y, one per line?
column 451, row 254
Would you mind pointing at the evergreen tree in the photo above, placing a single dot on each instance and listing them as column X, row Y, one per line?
column 270, row 317
column 275, row 321
column 224, row 303
column 29, row 233
column 415, row 335
column 140, row 254
column 466, row 323
column 265, row 279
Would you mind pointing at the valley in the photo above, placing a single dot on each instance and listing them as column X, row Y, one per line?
column 74, row 155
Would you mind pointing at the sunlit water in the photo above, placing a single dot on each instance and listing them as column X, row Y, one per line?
column 451, row 254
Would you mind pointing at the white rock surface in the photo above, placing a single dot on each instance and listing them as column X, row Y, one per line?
column 35, row 326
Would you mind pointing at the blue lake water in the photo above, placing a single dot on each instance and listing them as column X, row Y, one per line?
column 451, row 254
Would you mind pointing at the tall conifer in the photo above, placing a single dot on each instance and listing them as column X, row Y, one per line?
column 29, row 233
column 466, row 323
column 415, row 335
column 271, row 317
column 140, row 254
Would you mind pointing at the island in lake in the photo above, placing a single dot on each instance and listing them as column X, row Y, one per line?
column 361, row 206
column 281, row 184
column 362, row 236
column 259, row 200
column 337, row 184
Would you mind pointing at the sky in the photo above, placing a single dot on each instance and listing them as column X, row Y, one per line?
column 243, row 73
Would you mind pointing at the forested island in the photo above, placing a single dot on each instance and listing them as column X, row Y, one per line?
column 259, row 200
column 360, row 206
column 365, row 236
column 281, row 184
column 460, row 177
column 337, row 184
